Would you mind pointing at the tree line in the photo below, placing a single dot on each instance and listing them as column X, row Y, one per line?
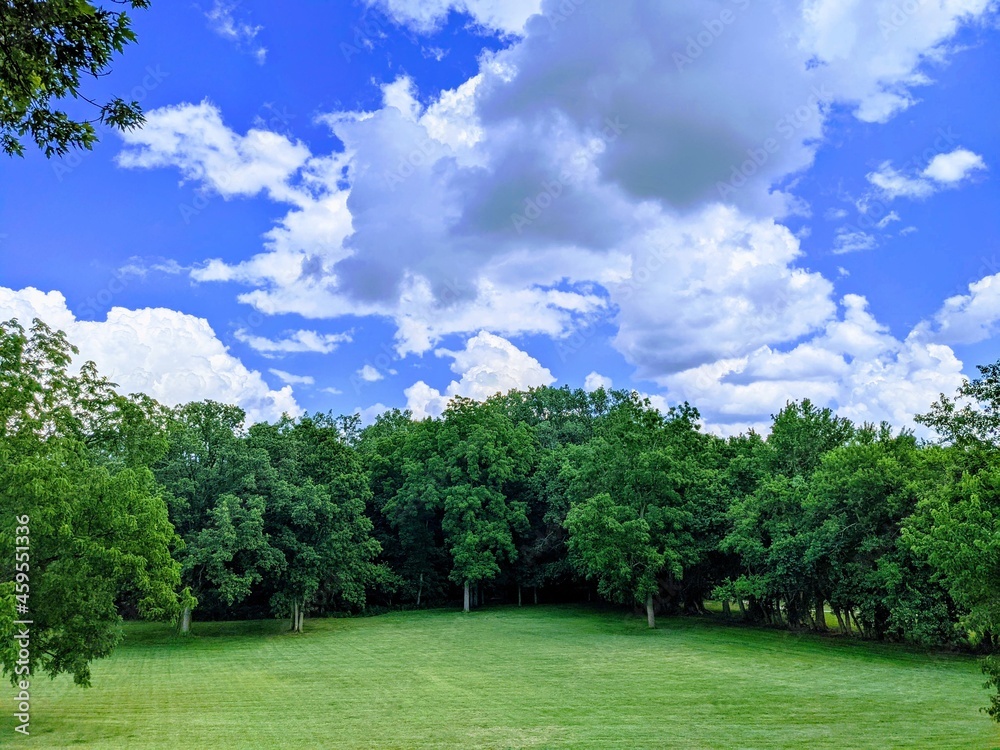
column 138, row 510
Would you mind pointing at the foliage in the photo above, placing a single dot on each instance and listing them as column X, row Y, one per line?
column 46, row 50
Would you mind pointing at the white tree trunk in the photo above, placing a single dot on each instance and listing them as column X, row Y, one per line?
column 186, row 620
column 518, row 595
column 420, row 589
column 295, row 616
column 302, row 616
column 650, row 617
column 466, row 596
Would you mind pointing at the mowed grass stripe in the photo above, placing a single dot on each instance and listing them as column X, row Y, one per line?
column 542, row 677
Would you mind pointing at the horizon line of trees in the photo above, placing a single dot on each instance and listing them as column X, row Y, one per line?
column 140, row 510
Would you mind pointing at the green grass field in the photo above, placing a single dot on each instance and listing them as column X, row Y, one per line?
column 539, row 677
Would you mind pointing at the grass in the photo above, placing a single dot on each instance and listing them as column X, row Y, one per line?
column 538, row 677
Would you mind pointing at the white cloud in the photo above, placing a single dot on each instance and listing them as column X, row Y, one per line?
column 544, row 194
column 888, row 219
column 595, row 380
column 506, row 16
column 296, row 342
column 370, row 375
column 716, row 285
column 222, row 20
column 854, row 366
column 893, row 184
column 968, row 318
column 369, row 413
column 488, row 365
column 848, row 241
column 193, row 138
column 173, row 357
column 290, row 379
column 943, row 171
column 954, row 167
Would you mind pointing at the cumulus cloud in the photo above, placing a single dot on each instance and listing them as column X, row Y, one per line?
column 487, row 365
column 716, row 285
column 370, row 375
column 968, row 318
column 641, row 187
column 173, row 357
column 954, row 167
column 595, row 380
column 854, row 366
column 193, row 138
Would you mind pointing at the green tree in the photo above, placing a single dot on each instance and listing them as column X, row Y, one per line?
column 638, row 486
column 316, row 495
column 211, row 478
column 47, row 48
column 465, row 467
column 97, row 530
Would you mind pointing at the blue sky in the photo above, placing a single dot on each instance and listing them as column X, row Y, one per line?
column 343, row 206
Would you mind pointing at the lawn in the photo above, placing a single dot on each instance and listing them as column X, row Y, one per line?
column 539, row 677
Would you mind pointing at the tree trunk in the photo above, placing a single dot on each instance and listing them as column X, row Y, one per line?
column 725, row 608
column 650, row 616
column 820, row 614
column 420, row 589
column 857, row 624
column 295, row 616
column 518, row 595
column 302, row 616
column 743, row 608
column 186, row 621
column 466, row 596
column 840, row 620
column 536, row 594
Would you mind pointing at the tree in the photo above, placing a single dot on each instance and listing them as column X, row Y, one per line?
column 956, row 526
column 405, row 511
column 46, row 48
column 465, row 468
column 97, row 530
column 638, row 485
column 316, row 493
column 210, row 476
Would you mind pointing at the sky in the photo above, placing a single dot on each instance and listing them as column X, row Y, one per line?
column 345, row 207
